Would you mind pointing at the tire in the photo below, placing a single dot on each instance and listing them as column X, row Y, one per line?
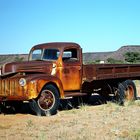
column 47, row 103
column 126, row 92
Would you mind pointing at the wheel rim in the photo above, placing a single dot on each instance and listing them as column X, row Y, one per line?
column 129, row 93
column 46, row 100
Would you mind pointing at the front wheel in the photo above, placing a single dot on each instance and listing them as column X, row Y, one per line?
column 47, row 103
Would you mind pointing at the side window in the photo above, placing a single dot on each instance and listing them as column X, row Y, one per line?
column 70, row 55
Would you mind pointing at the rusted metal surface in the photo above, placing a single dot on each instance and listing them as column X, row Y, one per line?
column 111, row 71
column 10, row 90
column 65, row 75
column 34, row 66
column 57, row 45
column 70, row 73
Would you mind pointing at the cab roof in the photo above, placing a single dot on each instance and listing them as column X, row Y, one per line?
column 57, row 45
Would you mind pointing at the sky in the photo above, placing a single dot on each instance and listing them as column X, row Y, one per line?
column 97, row 25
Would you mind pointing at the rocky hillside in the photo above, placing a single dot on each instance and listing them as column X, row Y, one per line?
column 118, row 55
column 12, row 57
column 87, row 57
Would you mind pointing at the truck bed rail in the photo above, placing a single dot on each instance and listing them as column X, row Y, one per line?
column 110, row 71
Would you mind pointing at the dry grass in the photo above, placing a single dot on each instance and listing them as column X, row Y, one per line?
column 102, row 122
column 105, row 122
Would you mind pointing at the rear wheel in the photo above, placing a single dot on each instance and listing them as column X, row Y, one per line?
column 47, row 103
column 130, row 91
column 126, row 92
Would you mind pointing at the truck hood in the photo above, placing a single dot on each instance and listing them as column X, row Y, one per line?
column 27, row 66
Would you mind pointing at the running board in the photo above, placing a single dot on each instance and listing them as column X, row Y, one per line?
column 74, row 94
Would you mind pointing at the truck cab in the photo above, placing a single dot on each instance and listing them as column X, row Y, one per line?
column 66, row 59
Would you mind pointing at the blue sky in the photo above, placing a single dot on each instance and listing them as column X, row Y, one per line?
column 97, row 25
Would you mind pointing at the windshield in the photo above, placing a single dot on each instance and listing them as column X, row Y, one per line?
column 36, row 54
column 47, row 54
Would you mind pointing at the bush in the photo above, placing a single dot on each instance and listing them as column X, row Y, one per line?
column 114, row 61
column 132, row 57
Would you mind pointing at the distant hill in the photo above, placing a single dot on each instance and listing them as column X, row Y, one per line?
column 87, row 57
column 12, row 57
column 118, row 55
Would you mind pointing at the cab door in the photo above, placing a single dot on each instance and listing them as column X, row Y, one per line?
column 71, row 72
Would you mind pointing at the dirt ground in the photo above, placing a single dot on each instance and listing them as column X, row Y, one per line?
column 99, row 122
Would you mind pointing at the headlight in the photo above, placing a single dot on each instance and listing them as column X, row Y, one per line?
column 22, row 82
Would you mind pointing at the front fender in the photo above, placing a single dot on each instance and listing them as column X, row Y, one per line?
column 42, row 81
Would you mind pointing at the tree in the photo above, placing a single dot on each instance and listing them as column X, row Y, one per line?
column 111, row 60
column 114, row 61
column 132, row 57
column 97, row 61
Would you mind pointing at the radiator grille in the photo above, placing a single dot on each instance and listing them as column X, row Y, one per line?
column 8, row 87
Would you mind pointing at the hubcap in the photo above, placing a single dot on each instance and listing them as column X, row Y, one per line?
column 46, row 100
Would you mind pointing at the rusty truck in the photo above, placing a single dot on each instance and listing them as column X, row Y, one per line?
column 55, row 71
